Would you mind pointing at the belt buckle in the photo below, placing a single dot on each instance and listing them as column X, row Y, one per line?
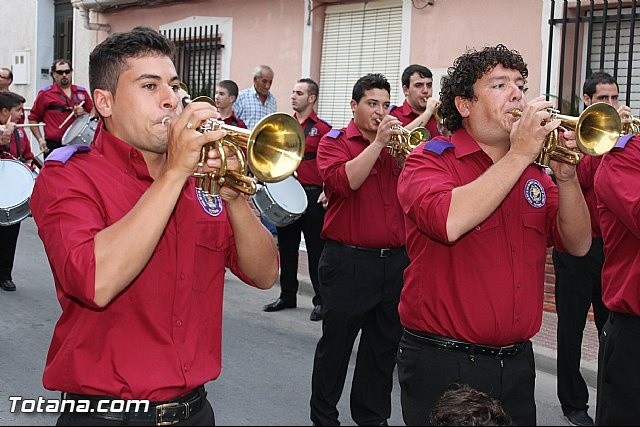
column 499, row 354
column 159, row 410
column 385, row 253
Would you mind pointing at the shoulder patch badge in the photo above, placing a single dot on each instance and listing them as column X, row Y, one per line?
column 210, row 204
column 534, row 193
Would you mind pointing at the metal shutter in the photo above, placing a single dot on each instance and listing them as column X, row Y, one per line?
column 357, row 42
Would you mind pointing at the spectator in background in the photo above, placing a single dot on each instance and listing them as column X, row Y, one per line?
column 6, row 78
column 226, row 95
column 257, row 101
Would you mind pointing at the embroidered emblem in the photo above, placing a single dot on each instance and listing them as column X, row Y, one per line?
column 210, row 204
column 81, row 96
column 534, row 193
column 313, row 131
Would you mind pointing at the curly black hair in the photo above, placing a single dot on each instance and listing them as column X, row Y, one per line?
column 466, row 70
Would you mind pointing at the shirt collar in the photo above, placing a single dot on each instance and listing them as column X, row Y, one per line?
column 122, row 155
column 464, row 143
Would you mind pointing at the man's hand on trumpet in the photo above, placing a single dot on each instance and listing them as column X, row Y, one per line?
column 561, row 170
column 185, row 142
column 625, row 115
column 528, row 133
column 386, row 133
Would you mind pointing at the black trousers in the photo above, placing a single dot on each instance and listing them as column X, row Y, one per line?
column 310, row 224
column 426, row 372
column 619, row 372
column 8, row 243
column 578, row 285
column 360, row 293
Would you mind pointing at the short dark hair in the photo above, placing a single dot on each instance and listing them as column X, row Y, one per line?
column 466, row 70
column 59, row 61
column 369, row 81
column 10, row 75
column 596, row 78
column 465, row 406
column 423, row 71
column 312, row 86
column 10, row 100
column 107, row 61
column 230, row 86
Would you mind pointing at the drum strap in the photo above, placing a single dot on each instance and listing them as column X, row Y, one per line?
column 16, row 137
column 59, row 107
column 307, row 129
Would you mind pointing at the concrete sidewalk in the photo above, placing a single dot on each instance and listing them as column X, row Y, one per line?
column 544, row 342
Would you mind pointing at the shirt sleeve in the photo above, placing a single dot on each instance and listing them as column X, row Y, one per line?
column 332, row 156
column 424, row 192
column 68, row 218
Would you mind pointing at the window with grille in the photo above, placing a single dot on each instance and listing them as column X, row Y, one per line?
column 198, row 57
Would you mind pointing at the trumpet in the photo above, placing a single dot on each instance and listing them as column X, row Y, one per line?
column 274, row 150
column 404, row 143
column 597, row 130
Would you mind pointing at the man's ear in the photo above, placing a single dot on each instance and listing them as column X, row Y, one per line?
column 586, row 98
column 463, row 105
column 103, row 102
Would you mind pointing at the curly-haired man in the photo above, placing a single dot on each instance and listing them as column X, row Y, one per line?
column 479, row 215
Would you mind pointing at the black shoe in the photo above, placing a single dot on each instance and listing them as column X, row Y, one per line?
column 278, row 305
column 316, row 313
column 7, row 285
column 579, row 417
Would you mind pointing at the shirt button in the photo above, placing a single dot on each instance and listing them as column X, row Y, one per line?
column 181, row 276
column 178, row 322
column 185, row 367
column 477, row 228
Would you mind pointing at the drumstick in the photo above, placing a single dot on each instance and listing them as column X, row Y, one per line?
column 70, row 115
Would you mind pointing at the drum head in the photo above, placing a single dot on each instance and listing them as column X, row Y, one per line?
column 17, row 183
column 75, row 130
column 289, row 195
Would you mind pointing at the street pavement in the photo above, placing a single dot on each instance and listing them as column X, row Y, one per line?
column 267, row 357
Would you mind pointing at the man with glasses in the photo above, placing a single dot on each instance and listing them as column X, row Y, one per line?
column 6, row 78
column 55, row 103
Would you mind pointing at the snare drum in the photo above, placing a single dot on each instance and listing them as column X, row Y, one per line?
column 81, row 131
column 281, row 202
column 17, row 186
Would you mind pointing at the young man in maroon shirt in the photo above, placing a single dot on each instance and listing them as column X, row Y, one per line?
column 138, row 253
column 479, row 215
column 363, row 260
column 419, row 105
column 226, row 95
column 303, row 100
column 14, row 145
column 618, row 195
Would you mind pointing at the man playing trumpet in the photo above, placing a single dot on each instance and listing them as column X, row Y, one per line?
column 138, row 257
column 479, row 215
column 419, row 107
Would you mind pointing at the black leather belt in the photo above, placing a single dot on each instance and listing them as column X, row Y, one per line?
column 310, row 187
column 466, row 347
column 159, row 413
column 382, row 252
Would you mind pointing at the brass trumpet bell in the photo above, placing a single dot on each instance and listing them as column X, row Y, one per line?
column 597, row 131
column 408, row 140
column 633, row 127
column 272, row 151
